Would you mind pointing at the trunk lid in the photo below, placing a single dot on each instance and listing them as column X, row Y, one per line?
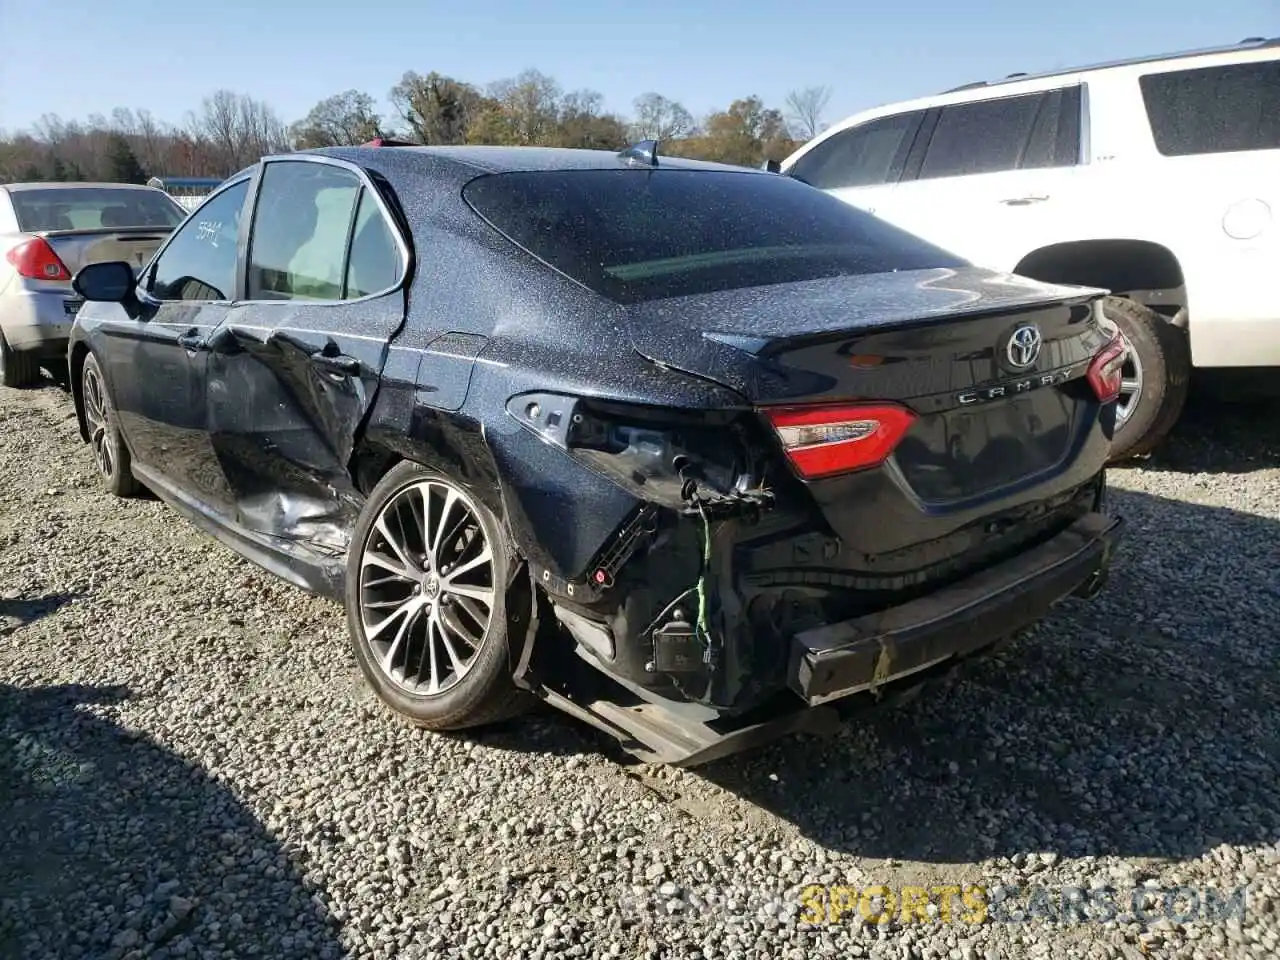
column 990, row 436
column 77, row 248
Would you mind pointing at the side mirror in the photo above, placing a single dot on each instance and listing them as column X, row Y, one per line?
column 110, row 282
column 773, row 166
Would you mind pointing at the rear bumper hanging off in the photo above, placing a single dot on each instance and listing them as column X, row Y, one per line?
column 840, row 659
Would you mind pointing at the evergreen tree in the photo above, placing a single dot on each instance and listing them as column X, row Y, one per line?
column 122, row 163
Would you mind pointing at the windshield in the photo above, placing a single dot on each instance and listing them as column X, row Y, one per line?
column 636, row 235
column 93, row 208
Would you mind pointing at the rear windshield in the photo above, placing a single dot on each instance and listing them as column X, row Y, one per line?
column 93, row 208
column 636, row 235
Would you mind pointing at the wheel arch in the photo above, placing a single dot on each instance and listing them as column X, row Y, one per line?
column 1140, row 270
column 447, row 442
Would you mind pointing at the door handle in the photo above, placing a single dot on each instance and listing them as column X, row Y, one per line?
column 336, row 362
column 1023, row 201
column 192, row 341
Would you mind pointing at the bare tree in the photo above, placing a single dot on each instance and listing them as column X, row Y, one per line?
column 345, row 119
column 153, row 142
column 658, row 118
column 239, row 128
column 531, row 103
column 805, row 108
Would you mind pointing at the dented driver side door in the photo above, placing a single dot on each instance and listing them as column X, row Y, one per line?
column 294, row 368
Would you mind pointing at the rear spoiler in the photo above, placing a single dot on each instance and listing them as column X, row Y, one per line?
column 104, row 231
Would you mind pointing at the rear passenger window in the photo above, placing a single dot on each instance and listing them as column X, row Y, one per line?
column 1055, row 138
column 988, row 136
column 298, row 247
column 871, row 153
column 318, row 235
column 1214, row 109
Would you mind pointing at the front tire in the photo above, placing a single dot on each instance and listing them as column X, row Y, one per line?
column 17, row 368
column 109, row 450
column 426, row 601
column 1157, row 377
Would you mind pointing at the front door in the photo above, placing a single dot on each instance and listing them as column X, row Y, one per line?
column 297, row 364
column 155, row 362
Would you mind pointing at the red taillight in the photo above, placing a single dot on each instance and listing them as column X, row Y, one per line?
column 35, row 260
column 1105, row 371
column 387, row 142
column 829, row 439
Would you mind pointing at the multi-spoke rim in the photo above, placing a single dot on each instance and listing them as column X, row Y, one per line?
column 426, row 587
column 95, row 412
column 1130, row 382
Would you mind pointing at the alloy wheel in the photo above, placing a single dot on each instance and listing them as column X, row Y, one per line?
column 426, row 587
column 1130, row 383
column 95, row 412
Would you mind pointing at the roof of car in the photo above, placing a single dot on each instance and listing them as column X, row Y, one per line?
column 73, row 185
column 493, row 159
column 1251, row 43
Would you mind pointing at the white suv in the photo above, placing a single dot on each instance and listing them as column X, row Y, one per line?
column 1156, row 178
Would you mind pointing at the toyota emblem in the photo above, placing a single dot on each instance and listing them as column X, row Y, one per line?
column 1023, row 347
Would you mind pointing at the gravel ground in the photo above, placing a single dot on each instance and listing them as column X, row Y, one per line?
column 190, row 765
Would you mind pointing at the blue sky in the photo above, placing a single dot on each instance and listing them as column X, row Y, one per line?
column 98, row 54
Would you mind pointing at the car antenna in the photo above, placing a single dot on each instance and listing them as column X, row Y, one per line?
column 642, row 154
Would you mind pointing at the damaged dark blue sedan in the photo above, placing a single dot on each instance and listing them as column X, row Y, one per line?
column 695, row 453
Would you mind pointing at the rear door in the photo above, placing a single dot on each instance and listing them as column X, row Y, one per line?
column 861, row 164
column 296, row 365
column 994, row 179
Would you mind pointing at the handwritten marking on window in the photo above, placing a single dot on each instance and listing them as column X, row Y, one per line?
column 209, row 230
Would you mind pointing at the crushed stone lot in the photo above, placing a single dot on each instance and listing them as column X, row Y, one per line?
column 190, row 765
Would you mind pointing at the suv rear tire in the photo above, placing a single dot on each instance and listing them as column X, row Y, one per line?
column 1164, row 353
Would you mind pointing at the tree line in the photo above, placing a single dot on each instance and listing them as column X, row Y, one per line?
column 230, row 130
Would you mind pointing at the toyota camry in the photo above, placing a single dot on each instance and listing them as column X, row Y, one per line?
column 695, row 453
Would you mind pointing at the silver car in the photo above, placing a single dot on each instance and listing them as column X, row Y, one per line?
column 48, row 231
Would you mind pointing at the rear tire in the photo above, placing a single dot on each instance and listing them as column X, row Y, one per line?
column 1163, row 370
column 109, row 450
column 17, row 369
column 427, row 564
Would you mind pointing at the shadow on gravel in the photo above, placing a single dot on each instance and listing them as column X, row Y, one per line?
column 1142, row 724
column 18, row 612
column 111, row 844
column 1221, row 437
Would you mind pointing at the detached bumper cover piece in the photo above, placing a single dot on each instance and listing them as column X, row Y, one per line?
column 855, row 655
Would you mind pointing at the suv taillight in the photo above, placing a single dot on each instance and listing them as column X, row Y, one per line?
column 35, row 260
column 827, row 439
column 1105, row 371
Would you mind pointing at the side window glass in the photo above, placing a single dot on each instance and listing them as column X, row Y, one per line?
column 200, row 261
column 983, row 137
column 1234, row 107
column 872, row 153
column 1055, row 138
column 298, row 245
column 375, row 262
